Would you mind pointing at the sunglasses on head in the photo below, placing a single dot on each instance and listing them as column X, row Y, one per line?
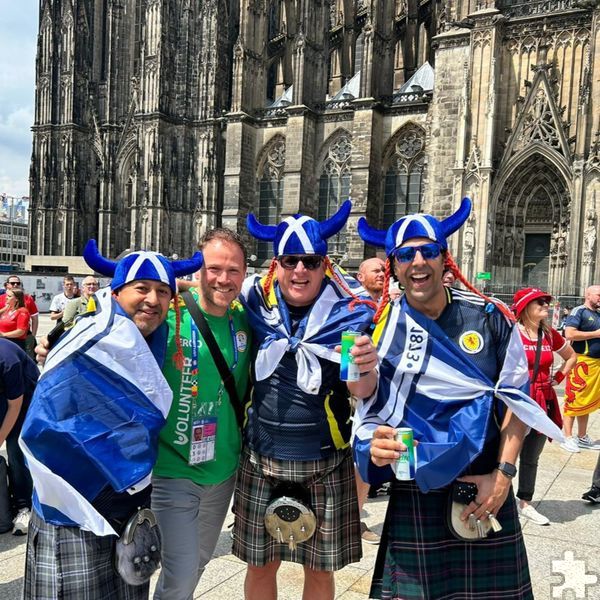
column 310, row 261
column 407, row 253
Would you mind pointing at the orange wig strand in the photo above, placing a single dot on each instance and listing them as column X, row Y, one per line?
column 450, row 264
column 385, row 297
column 344, row 286
column 269, row 278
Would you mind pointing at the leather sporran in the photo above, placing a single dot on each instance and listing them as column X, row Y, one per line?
column 461, row 494
column 289, row 518
column 137, row 552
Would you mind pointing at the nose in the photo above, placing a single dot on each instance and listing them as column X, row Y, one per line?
column 300, row 267
column 151, row 297
column 223, row 276
column 418, row 259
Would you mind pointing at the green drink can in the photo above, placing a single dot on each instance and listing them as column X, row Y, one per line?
column 348, row 368
column 406, row 465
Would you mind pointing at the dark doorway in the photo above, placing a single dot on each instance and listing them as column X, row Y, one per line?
column 536, row 260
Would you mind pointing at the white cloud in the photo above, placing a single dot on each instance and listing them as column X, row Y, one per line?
column 18, row 35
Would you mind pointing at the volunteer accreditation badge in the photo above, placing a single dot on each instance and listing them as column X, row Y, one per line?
column 204, row 437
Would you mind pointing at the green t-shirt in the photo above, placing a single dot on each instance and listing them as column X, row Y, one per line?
column 197, row 394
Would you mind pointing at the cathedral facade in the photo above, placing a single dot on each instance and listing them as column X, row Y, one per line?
column 158, row 119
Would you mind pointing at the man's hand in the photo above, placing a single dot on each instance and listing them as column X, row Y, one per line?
column 492, row 491
column 385, row 450
column 42, row 350
column 365, row 354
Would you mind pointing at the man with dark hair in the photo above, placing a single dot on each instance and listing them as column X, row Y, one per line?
column 91, row 435
column 199, row 447
column 454, row 371
column 57, row 306
column 298, row 420
column 18, row 376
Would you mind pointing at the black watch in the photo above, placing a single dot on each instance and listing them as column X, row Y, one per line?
column 507, row 469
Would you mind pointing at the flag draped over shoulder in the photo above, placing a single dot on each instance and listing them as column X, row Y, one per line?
column 95, row 417
column 317, row 334
column 427, row 384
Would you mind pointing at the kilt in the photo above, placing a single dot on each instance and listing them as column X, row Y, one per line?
column 419, row 558
column 332, row 488
column 68, row 563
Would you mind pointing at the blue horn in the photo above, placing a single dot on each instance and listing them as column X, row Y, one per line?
column 185, row 266
column 96, row 261
column 452, row 223
column 260, row 231
column 332, row 225
column 375, row 237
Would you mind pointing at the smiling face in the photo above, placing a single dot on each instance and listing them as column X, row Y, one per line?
column 146, row 302
column 221, row 275
column 422, row 280
column 300, row 286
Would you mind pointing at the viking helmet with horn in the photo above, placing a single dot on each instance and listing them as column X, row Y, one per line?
column 415, row 226
column 140, row 265
column 300, row 234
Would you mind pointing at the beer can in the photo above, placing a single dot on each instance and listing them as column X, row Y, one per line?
column 406, row 465
column 348, row 368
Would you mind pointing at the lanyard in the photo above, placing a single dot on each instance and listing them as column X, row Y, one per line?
column 196, row 337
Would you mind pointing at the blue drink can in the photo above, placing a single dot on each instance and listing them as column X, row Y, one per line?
column 348, row 368
column 406, row 465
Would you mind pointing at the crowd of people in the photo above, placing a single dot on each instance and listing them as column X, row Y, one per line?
column 162, row 400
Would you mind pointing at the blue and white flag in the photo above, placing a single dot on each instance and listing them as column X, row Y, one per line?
column 427, row 384
column 95, row 417
column 317, row 334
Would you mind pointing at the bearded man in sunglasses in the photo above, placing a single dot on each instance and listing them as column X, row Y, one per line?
column 297, row 429
column 452, row 368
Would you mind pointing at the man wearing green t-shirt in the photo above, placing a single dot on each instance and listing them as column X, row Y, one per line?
column 199, row 447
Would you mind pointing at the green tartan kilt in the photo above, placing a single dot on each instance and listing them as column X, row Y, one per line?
column 420, row 559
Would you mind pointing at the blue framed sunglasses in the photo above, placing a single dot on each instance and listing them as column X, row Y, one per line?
column 407, row 253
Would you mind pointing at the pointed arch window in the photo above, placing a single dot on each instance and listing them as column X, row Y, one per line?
column 270, row 191
column 403, row 177
column 334, row 186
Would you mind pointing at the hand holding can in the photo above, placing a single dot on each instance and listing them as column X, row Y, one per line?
column 406, row 465
column 349, row 370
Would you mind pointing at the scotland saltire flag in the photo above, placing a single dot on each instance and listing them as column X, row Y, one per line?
column 95, row 416
column 427, row 384
column 317, row 334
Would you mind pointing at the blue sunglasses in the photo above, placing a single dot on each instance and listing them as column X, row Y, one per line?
column 407, row 253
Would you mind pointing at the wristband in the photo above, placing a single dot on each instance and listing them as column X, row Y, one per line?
column 559, row 376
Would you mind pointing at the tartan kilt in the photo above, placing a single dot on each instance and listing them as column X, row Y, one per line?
column 420, row 559
column 336, row 541
column 68, row 563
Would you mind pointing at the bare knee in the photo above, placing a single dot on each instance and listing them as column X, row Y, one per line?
column 266, row 571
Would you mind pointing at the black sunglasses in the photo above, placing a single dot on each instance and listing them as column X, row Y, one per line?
column 543, row 301
column 14, row 282
column 310, row 261
column 407, row 253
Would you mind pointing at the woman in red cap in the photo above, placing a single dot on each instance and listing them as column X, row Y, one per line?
column 540, row 341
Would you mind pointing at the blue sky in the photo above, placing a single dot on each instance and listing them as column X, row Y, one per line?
column 18, row 34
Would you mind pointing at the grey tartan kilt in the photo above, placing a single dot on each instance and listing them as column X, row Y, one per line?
column 336, row 542
column 68, row 563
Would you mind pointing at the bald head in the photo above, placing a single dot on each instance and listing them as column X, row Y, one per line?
column 371, row 275
column 592, row 297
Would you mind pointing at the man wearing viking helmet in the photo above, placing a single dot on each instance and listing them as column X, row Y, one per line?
column 91, row 433
column 452, row 368
column 298, row 420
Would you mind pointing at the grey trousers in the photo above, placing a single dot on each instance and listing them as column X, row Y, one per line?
column 190, row 517
column 533, row 444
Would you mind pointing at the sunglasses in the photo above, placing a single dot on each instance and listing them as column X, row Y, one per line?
column 407, row 254
column 542, row 301
column 13, row 282
column 310, row 261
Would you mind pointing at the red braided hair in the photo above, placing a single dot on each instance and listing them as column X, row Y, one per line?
column 356, row 300
column 178, row 358
column 450, row 264
column 385, row 297
column 269, row 278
